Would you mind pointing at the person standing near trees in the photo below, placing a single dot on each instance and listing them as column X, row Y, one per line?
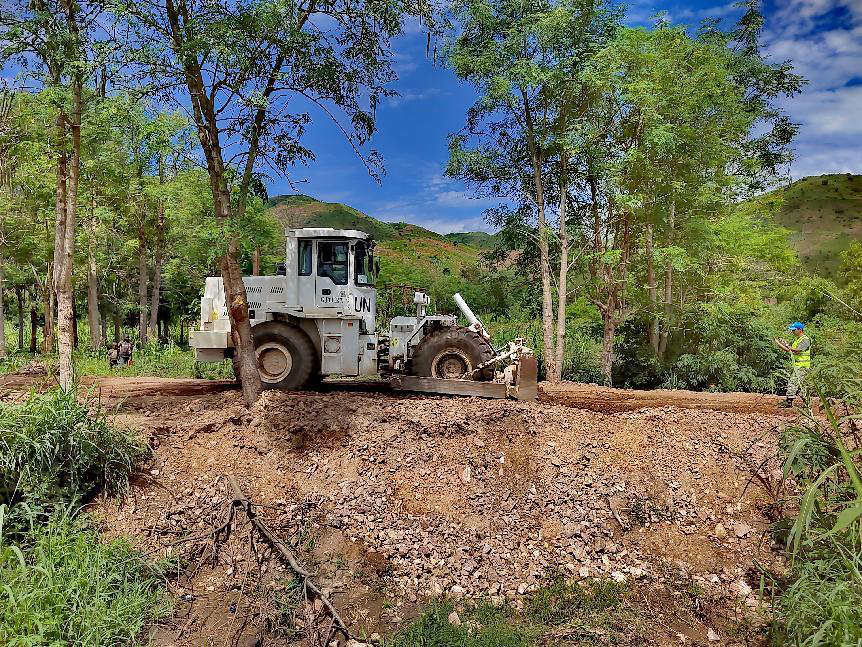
column 800, row 355
column 124, row 351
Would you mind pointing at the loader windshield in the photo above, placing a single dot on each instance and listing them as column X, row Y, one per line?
column 364, row 263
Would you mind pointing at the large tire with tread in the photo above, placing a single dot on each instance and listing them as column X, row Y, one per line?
column 286, row 358
column 450, row 352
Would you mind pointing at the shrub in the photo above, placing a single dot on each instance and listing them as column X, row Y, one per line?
column 54, row 448
column 63, row 586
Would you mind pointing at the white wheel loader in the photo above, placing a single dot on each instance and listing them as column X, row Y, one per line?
column 317, row 318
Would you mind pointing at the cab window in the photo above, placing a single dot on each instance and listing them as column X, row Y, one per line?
column 305, row 258
column 364, row 263
column 332, row 262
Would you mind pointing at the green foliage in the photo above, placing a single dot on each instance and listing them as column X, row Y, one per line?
column 588, row 609
column 433, row 629
column 154, row 360
column 64, row 586
column 55, row 449
column 591, row 603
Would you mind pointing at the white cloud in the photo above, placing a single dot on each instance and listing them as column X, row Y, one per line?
column 828, row 112
column 408, row 96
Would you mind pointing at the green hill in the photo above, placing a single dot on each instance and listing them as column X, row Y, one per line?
column 409, row 255
column 481, row 239
column 823, row 211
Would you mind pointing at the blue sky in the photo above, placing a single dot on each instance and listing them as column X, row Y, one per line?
column 822, row 37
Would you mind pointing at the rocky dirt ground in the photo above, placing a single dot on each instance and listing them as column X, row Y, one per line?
column 393, row 500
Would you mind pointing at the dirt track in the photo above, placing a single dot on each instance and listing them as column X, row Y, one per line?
column 580, row 396
column 394, row 499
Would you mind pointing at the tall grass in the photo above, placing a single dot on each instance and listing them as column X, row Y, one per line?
column 56, row 449
column 63, row 586
column 821, row 603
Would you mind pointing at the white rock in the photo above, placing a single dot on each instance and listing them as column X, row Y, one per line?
column 454, row 620
column 618, row 576
column 712, row 635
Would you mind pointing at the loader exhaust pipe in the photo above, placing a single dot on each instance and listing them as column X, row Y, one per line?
column 472, row 319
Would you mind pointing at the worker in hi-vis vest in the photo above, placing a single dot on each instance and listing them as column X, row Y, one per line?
column 800, row 355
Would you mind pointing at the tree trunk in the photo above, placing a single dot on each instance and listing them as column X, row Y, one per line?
column 668, row 285
column 74, row 320
column 103, row 321
column 255, row 262
column 66, row 212
column 206, row 122
column 245, row 359
column 34, row 323
column 154, row 301
column 182, row 340
column 158, row 256
column 608, row 342
column 19, row 295
column 564, row 270
column 544, row 259
column 652, row 290
column 142, row 287
column 117, row 327
column 93, row 316
column 2, row 311
column 48, row 326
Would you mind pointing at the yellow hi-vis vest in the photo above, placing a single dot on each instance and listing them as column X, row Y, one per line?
column 803, row 359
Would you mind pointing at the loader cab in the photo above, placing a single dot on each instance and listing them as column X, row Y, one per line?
column 334, row 271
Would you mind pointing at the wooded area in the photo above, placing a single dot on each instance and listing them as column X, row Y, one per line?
column 620, row 157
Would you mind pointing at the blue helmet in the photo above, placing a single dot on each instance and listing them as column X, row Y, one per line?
column 796, row 325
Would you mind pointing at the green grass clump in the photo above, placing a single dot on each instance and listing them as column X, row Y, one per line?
column 822, row 605
column 593, row 602
column 55, row 449
column 493, row 628
column 63, row 586
column 582, row 613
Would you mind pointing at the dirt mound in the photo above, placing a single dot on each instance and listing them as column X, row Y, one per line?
column 411, row 497
column 608, row 400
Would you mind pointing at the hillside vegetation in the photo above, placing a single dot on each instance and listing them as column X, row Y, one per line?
column 825, row 214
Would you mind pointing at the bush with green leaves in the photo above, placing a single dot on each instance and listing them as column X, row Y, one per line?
column 62, row 585
column 57, row 449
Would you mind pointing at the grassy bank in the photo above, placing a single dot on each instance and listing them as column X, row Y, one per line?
column 61, row 584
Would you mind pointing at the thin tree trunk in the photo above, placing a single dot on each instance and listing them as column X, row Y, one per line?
column 158, row 256
column 74, row 320
column 48, row 325
column 206, row 122
column 245, row 360
column 668, row 285
column 610, row 329
column 2, row 311
column 154, row 302
column 34, row 323
column 182, row 333
column 652, row 290
column 19, row 295
column 544, row 258
column 117, row 327
column 564, row 269
column 255, row 262
column 67, row 211
column 93, row 315
column 103, row 328
column 142, row 287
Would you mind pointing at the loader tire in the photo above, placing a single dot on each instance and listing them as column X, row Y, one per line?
column 285, row 356
column 451, row 352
